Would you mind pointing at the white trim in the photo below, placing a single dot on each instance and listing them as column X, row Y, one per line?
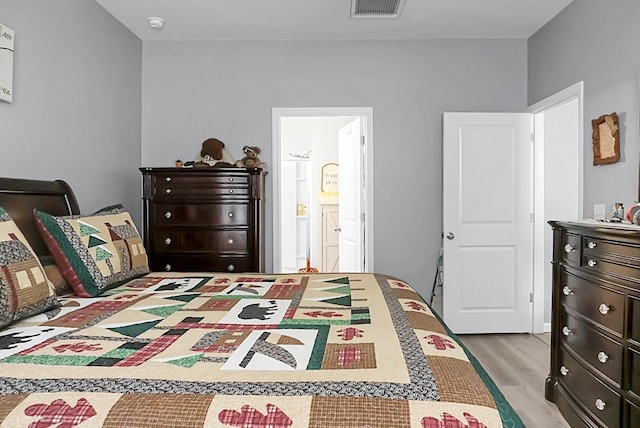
column 366, row 116
column 546, row 328
column 573, row 92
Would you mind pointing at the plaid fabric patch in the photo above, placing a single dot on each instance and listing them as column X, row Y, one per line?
column 60, row 413
column 249, row 417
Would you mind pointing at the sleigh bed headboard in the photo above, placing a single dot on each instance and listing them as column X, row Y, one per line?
column 19, row 197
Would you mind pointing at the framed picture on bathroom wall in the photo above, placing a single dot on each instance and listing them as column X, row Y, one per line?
column 606, row 139
column 329, row 178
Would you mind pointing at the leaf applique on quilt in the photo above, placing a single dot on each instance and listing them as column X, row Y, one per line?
column 323, row 314
column 350, row 333
column 449, row 421
column 416, row 306
column 77, row 347
column 250, row 417
column 440, row 343
column 346, row 356
column 60, row 414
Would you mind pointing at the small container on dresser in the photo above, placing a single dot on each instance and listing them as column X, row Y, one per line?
column 204, row 219
column 594, row 377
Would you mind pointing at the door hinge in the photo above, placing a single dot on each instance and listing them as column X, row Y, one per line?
column 362, row 217
column 530, row 297
column 533, row 137
column 530, row 217
column 362, row 140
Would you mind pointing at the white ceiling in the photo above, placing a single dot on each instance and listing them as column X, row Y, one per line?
column 330, row 19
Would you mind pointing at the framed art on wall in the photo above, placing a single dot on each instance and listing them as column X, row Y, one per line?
column 606, row 139
column 7, row 37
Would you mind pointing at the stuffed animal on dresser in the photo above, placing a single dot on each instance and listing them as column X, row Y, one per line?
column 213, row 153
column 251, row 159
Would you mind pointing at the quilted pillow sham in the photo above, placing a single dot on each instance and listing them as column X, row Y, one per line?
column 25, row 289
column 94, row 252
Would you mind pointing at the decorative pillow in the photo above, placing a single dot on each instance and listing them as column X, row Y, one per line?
column 60, row 285
column 95, row 252
column 25, row 290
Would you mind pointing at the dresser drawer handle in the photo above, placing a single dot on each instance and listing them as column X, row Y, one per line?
column 592, row 245
column 167, row 214
column 230, row 190
column 604, row 309
column 230, row 178
column 167, row 191
column 167, row 267
column 168, row 179
column 167, row 241
column 566, row 331
column 564, row 371
column 231, row 268
column 600, row 404
column 567, row 291
column 592, row 263
column 602, row 357
column 569, row 248
column 231, row 241
column 230, row 214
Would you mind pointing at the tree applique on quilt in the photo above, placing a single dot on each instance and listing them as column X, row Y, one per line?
column 249, row 417
column 449, row 421
column 60, row 414
column 440, row 343
column 323, row 314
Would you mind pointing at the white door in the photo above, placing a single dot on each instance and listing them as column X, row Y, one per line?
column 487, row 222
column 351, row 224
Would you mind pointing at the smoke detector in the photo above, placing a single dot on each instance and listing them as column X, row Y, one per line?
column 376, row 8
column 155, row 22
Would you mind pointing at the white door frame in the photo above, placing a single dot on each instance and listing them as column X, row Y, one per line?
column 573, row 92
column 366, row 117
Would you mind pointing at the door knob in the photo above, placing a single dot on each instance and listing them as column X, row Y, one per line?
column 339, row 229
column 450, row 235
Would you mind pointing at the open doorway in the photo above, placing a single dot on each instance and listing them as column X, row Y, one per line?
column 307, row 187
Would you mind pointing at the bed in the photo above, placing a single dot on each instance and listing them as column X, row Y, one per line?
column 198, row 349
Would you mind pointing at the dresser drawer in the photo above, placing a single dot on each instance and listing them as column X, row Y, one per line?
column 593, row 263
column 601, row 352
column 634, row 381
column 633, row 415
column 571, row 248
column 192, row 186
column 634, row 316
column 200, row 263
column 174, row 239
column 589, row 299
column 597, row 247
column 595, row 396
column 200, row 215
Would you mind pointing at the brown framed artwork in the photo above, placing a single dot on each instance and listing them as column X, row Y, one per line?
column 606, row 139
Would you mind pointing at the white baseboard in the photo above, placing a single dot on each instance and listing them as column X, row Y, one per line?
column 546, row 327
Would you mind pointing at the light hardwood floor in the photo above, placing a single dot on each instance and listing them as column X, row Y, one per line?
column 519, row 365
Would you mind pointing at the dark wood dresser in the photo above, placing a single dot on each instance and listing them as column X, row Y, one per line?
column 204, row 219
column 595, row 336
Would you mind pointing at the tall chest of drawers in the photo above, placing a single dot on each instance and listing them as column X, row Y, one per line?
column 204, row 219
column 594, row 376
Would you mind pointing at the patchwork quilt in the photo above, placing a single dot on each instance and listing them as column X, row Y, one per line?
column 250, row 351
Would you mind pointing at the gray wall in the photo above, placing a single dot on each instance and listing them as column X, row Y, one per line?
column 195, row 90
column 597, row 42
column 77, row 94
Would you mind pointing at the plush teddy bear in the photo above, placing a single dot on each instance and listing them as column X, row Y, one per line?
column 251, row 159
column 213, row 153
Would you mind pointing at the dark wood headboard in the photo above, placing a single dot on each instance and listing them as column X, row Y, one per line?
column 19, row 197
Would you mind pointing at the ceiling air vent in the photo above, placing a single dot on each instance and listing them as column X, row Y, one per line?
column 376, row 8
